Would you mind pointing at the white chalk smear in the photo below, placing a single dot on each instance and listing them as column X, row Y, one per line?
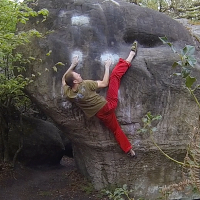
column 80, row 57
column 80, row 20
column 66, row 105
column 97, row 4
column 137, row 143
column 112, row 1
column 62, row 13
column 106, row 56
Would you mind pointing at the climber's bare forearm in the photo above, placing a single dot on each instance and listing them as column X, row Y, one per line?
column 72, row 66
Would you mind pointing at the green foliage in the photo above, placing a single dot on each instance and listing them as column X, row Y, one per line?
column 88, row 188
column 119, row 193
column 174, row 8
column 191, row 163
column 12, row 13
column 12, row 97
column 45, row 193
column 187, row 62
column 147, row 120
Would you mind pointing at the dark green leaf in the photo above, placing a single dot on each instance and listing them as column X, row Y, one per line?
column 149, row 115
column 175, row 64
column 154, row 129
column 190, row 50
column 189, row 81
column 144, row 120
column 192, row 61
column 158, row 117
column 173, row 49
column 142, row 130
column 164, row 39
column 185, row 72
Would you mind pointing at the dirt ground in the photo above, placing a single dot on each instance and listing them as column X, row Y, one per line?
column 61, row 182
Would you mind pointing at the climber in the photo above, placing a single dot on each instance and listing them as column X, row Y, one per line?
column 83, row 94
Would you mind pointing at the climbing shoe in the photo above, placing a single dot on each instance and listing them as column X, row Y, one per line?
column 134, row 46
column 132, row 154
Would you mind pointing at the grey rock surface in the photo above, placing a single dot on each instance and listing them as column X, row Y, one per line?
column 42, row 143
column 97, row 29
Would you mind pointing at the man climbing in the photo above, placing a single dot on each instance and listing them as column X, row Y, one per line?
column 83, row 94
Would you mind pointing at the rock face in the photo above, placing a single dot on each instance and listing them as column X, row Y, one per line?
column 42, row 143
column 194, row 30
column 94, row 30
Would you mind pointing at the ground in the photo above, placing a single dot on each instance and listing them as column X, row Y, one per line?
column 61, row 182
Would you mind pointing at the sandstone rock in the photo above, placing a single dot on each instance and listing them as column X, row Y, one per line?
column 194, row 30
column 96, row 29
column 42, row 143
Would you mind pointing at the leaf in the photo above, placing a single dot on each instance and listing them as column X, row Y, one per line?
column 180, row 63
column 32, row 58
column 190, row 162
column 144, row 120
column 190, row 50
column 124, row 187
column 189, row 81
column 142, row 130
column 49, row 53
column 158, row 117
column 154, row 129
column 55, row 68
column 184, row 51
column 175, row 64
column 44, row 19
column 191, row 60
column 185, row 72
column 149, row 115
column 173, row 49
column 163, row 39
column 43, row 12
column 60, row 63
column 23, row 21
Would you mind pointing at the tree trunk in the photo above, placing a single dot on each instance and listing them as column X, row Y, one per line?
column 6, row 157
column 18, row 150
column 4, row 139
column 20, row 141
column 1, row 147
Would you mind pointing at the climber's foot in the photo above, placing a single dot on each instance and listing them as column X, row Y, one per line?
column 132, row 154
column 134, row 47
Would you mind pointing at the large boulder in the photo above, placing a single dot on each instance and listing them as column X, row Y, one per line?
column 95, row 29
column 43, row 143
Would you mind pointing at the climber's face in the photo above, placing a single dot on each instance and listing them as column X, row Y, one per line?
column 77, row 77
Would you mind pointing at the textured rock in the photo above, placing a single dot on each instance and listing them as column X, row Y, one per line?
column 94, row 30
column 42, row 142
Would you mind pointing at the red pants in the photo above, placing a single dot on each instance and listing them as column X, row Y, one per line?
column 107, row 113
